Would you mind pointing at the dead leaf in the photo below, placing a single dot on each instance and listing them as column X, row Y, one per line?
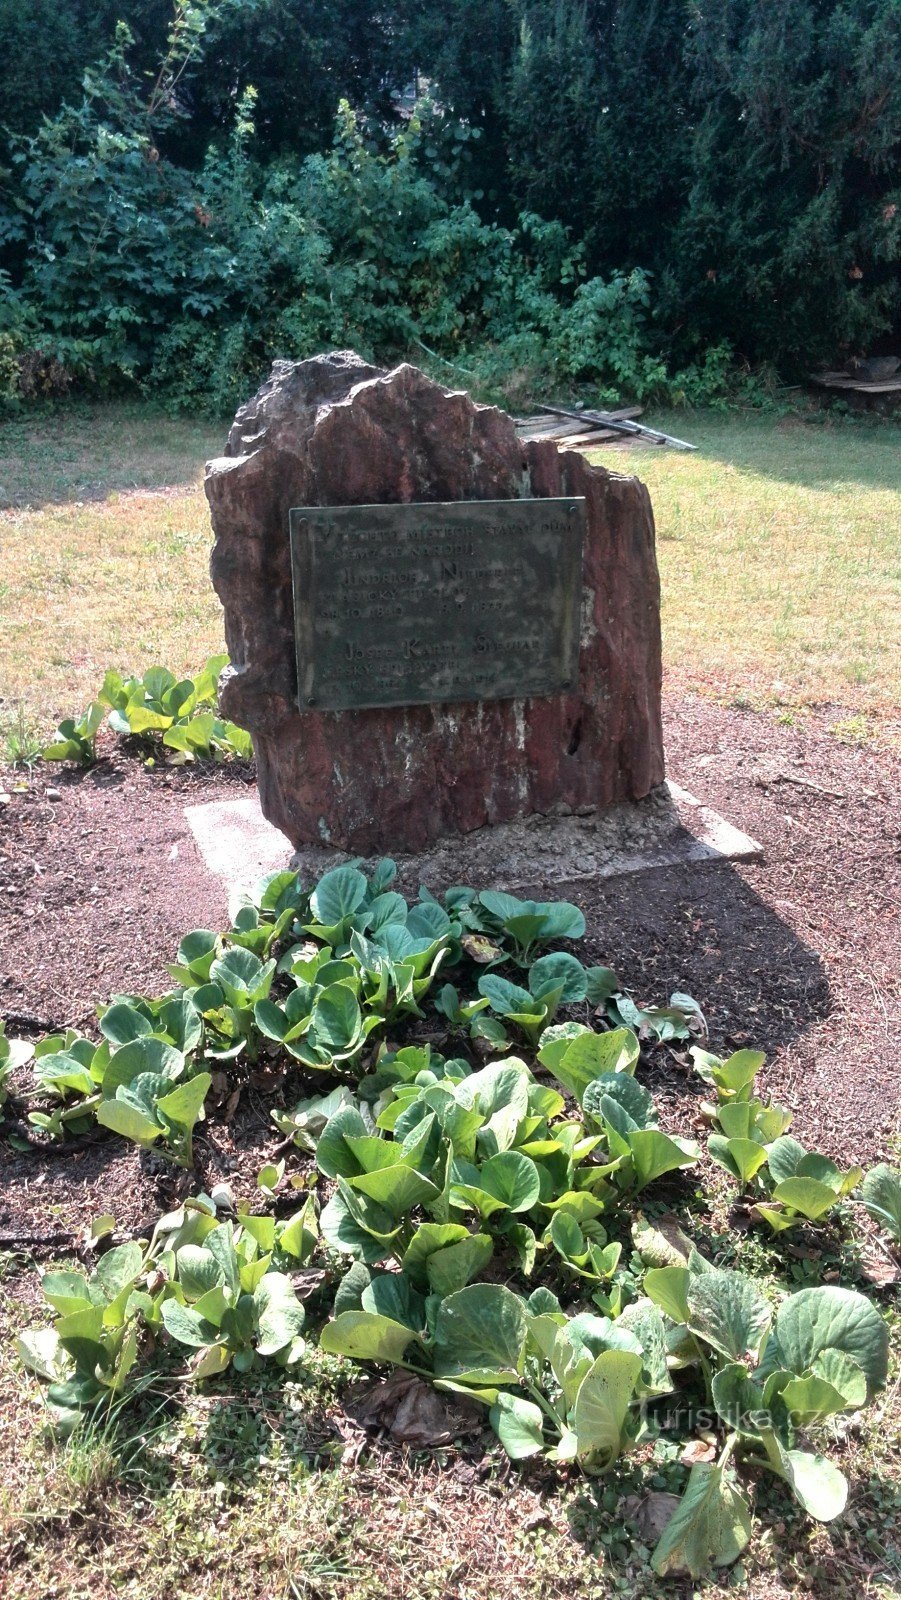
column 219, row 1087
column 879, row 1270
column 650, row 1513
column 308, row 1281
column 697, row 1450
column 481, row 949
column 414, row 1413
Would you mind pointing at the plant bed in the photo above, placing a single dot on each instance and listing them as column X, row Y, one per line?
column 662, row 935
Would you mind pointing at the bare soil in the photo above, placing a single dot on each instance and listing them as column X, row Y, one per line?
column 796, row 955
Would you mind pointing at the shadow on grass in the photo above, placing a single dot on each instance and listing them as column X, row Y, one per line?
column 82, row 453
column 828, row 453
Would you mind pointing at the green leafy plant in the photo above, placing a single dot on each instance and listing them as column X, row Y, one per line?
column 76, row 740
column 525, row 925
column 554, row 979
column 752, row 1144
column 90, row 1351
column 228, row 1303
column 880, row 1193
column 769, row 1377
column 175, row 709
column 14, row 1053
column 804, row 1185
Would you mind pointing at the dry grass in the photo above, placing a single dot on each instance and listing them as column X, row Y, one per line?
column 105, row 551
column 780, row 555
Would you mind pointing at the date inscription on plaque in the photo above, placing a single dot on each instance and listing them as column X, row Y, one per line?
column 410, row 604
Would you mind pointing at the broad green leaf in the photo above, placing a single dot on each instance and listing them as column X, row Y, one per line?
column 881, row 1196
column 185, row 1103
column 198, row 1270
column 602, row 1405
column 480, row 1335
column 122, row 1022
column 280, row 1315
column 518, row 1425
column 506, row 998
column 626, row 1093
column 739, row 1400
column 512, row 1178
column 643, row 1320
column 814, row 1321
column 429, row 1238
column 349, row 1293
column 186, row 1325
column 118, row 1268
column 399, row 1189
column 783, row 1156
column 845, row 1374
column 40, row 1351
column 341, row 1230
column 337, row 895
column 728, row 1311
column 391, row 1295
column 558, row 971
column 139, row 1056
column 806, row 1195
column 336, row 1018
column 742, row 1157
column 69, row 1291
column 454, row 1266
column 654, row 1153
column 366, row 1336
column 810, row 1400
column 334, row 1156
column 710, row 1526
column 818, row 1485
column 591, row 1055
column 242, row 977
column 600, row 984
column 668, row 1288
column 126, row 1119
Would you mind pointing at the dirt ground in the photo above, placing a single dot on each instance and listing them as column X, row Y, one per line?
column 798, row 955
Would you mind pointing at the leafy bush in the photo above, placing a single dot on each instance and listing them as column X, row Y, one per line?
column 157, row 706
column 753, row 1145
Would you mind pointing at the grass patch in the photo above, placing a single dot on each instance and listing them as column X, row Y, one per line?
column 237, row 1491
column 778, row 550
column 106, row 551
column 777, row 544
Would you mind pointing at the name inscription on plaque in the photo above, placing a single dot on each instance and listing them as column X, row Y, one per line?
column 411, row 604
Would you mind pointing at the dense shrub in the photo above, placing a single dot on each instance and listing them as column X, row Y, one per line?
column 635, row 200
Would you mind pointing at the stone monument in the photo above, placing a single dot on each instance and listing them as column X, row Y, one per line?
column 540, row 624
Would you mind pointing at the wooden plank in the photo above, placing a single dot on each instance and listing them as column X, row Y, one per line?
column 580, row 440
column 839, row 380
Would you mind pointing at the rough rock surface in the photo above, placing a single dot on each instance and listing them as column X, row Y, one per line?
column 335, row 431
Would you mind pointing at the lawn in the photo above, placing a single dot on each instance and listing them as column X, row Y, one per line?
column 778, row 544
column 780, row 555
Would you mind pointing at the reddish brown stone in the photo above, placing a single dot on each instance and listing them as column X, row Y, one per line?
column 334, row 431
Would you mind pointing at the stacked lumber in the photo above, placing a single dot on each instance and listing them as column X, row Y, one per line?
column 571, row 433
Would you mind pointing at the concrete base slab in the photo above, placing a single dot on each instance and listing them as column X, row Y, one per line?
column 668, row 829
column 236, row 842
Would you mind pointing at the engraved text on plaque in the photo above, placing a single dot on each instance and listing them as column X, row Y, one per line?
column 409, row 604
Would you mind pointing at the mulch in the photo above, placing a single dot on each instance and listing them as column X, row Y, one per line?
column 796, row 955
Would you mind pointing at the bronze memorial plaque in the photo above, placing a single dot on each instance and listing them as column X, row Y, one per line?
column 407, row 604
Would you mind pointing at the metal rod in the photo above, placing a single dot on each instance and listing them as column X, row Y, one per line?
column 604, row 419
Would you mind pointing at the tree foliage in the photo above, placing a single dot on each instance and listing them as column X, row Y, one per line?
column 629, row 196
